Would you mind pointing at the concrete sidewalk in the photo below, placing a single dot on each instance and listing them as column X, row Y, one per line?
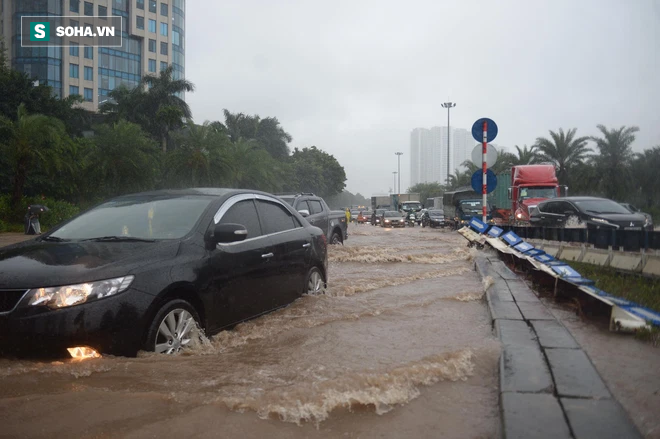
column 12, row 238
column 548, row 386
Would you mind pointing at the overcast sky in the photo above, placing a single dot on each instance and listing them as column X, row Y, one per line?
column 355, row 77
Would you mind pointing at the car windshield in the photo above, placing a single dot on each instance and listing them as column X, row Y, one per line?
column 391, row 213
column 538, row 192
column 407, row 207
column 436, row 213
column 601, row 206
column 142, row 218
column 470, row 205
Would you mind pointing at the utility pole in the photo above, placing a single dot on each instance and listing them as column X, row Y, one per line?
column 399, row 154
column 394, row 175
column 448, row 106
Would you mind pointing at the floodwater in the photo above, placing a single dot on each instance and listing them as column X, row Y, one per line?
column 400, row 345
column 630, row 367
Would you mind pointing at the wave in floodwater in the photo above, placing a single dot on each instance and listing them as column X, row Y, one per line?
column 574, row 223
column 470, row 296
column 380, row 391
column 372, row 255
column 374, row 284
column 77, row 369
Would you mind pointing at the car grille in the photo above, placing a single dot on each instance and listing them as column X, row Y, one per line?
column 9, row 299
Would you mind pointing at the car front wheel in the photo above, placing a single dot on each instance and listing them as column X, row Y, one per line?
column 175, row 327
column 335, row 239
column 314, row 282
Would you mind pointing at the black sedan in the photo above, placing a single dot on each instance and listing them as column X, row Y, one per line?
column 142, row 271
column 597, row 213
column 434, row 218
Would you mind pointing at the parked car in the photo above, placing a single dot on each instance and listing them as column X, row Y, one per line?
column 589, row 211
column 138, row 271
column 317, row 213
column 434, row 218
column 392, row 218
column 633, row 209
column 376, row 216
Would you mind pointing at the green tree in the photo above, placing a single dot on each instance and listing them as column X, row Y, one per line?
column 645, row 171
column 564, row 150
column 267, row 132
column 526, row 156
column 459, row 179
column 249, row 166
column 615, row 159
column 314, row 170
column 198, row 158
column 30, row 138
column 123, row 159
column 427, row 190
column 345, row 199
column 159, row 109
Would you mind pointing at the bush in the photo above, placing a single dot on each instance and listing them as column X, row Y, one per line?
column 58, row 211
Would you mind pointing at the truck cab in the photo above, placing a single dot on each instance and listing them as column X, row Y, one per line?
column 531, row 184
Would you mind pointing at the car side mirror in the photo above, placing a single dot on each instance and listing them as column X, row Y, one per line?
column 304, row 212
column 227, row 233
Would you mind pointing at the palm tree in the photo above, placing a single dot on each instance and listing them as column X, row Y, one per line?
column 526, row 156
column 268, row 132
column 459, row 179
column 564, row 150
column 251, row 167
column 31, row 138
column 161, row 101
column 197, row 160
column 615, row 158
column 123, row 158
column 645, row 171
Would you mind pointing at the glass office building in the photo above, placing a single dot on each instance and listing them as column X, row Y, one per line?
column 153, row 38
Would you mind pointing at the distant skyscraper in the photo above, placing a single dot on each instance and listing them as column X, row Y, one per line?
column 428, row 153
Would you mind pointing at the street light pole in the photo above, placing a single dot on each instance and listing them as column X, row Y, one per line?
column 398, row 194
column 394, row 184
column 448, row 106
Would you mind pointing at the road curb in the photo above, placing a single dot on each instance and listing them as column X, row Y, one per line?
column 548, row 386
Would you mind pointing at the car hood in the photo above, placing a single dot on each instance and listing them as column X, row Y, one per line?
column 34, row 264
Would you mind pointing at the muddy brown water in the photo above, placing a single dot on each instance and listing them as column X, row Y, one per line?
column 400, row 346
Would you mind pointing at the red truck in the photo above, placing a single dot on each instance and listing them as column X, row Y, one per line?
column 529, row 185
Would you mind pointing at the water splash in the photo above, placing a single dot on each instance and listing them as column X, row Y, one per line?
column 380, row 391
column 373, row 255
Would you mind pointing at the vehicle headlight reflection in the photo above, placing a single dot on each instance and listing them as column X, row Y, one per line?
column 69, row 295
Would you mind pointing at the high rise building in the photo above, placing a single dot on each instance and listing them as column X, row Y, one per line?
column 153, row 37
column 428, row 153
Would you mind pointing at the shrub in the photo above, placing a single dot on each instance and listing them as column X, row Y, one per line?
column 58, row 211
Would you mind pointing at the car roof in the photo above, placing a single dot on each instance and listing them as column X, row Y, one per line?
column 216, row 192
column 576, row 199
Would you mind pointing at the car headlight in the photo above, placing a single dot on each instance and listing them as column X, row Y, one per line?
column 519, row 215
column 69, row 295
column 600, row 220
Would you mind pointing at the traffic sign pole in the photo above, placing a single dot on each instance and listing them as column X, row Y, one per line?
column 485, row 169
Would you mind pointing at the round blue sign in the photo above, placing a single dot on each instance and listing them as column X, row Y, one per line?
column 478, row 181
column 478, row 130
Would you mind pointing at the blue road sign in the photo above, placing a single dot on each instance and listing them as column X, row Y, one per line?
column 478, row 178
column 478, row 130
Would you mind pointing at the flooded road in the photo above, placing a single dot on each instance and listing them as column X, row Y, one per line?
column 399, row 346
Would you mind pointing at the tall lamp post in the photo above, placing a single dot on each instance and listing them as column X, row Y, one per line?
column 394, row 184
column 398, row 194
column 448, row 106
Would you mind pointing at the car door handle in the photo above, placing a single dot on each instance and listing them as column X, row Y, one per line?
column 307, row 245
column 267, row 255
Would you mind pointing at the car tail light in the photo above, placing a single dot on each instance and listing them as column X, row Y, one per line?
column 325, row 240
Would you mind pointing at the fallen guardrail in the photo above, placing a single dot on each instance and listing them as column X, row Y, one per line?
column 625, row 315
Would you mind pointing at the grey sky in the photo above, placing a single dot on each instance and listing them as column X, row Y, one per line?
column 355, row 77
